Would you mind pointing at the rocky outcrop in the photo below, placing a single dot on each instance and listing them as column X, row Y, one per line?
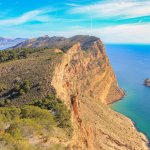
column 86, row 83
column 147, row 82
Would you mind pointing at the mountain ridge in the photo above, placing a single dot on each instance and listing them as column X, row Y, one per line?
column 58, row 42
column 9, row 42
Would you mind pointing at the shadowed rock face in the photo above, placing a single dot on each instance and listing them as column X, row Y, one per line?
column 86, row 83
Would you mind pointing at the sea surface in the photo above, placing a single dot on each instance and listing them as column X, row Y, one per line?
column 131, row 64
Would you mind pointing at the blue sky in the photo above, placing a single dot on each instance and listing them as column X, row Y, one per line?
column 114, row 21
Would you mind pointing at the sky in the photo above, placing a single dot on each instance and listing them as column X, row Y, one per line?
column 114, row 21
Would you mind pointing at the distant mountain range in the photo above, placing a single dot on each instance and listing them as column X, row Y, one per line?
column 8, row 42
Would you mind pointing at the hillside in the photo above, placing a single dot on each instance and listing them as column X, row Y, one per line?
column 58, row 42
column 69, row 83
column 7, row 42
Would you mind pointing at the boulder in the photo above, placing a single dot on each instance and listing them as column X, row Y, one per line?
column 147, row 82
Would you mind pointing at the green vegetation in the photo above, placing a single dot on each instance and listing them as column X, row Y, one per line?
column 22, row 87
column 60, row 111
column 28, row 117
column 39, row 118
column 17, row 124
column 20, row 53
column 19, row 88
column 2, row 87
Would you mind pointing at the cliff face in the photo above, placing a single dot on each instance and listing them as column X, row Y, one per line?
column 87, row 73
column 86, row 83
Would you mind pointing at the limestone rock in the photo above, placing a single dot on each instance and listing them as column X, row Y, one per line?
column 86, row 83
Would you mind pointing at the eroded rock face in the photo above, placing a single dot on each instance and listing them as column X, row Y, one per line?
column 86, row 83
column 88, row 74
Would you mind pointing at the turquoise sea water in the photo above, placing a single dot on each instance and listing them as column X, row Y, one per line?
column 131, row 64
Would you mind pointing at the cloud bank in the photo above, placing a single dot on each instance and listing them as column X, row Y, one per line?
column 34, row 15
column 115, row 8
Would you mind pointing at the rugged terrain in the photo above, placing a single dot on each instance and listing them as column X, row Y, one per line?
column 77, row 71
column 7, row 42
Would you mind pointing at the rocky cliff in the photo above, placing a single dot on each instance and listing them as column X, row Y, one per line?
column 77, row 71
column 86, row 83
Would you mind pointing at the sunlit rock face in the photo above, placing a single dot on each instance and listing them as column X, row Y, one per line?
column 86, row 82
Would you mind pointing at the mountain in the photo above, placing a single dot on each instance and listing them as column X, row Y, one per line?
column 6, row 42
column 69, row 82
column 59, row 42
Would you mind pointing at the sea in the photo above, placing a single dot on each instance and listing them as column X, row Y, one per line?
column 131, row 64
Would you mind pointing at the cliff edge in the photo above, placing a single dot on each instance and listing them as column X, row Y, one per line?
column 86, row 83
column 38, row 74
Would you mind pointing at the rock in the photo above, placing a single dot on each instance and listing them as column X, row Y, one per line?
column 86, row 83
column 147, row 82
column 57, row 51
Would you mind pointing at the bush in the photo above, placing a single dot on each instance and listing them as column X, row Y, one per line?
column 22, row 87
column 19, row 124
column 40, row 116
column 57, row 107
column 34, row 120
column 2, row 87
column 9, row 114
column 23, row 128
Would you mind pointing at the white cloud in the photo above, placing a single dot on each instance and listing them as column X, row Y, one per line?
column 72, row 4
column 115, row 8
column 35, row 15
column 129, row 33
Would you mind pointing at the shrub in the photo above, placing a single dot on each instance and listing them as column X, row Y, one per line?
column 22, row 128
column 40, row 116
column 2, row 102
column 57, row 107
column 9, row 114
column 2, row 87
column 18, row 124
column 22, row 87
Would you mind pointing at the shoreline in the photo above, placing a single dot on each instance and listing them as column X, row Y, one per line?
column 144, row 136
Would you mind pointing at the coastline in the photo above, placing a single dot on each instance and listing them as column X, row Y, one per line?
column 143, row 135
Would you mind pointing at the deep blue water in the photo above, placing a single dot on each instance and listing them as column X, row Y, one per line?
column 131, row 64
